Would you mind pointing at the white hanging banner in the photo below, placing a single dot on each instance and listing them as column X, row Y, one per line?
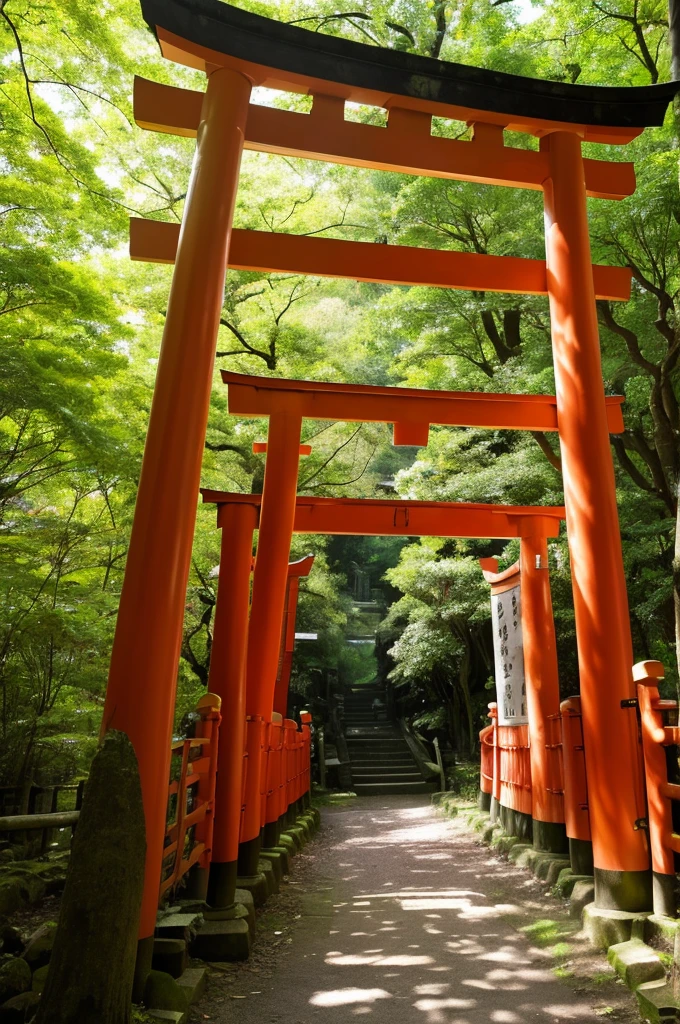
column 511, row 691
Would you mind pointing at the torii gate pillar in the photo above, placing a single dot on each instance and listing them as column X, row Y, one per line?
column 543, row 693
column 140, row 697
column 613, row 757
column 270, row 582
column 228, row 679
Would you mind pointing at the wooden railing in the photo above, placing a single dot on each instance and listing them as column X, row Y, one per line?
column 191, row 797
column 576, row 811
column 657, row 736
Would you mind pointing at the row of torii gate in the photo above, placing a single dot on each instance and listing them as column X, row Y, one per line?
column 237, row 51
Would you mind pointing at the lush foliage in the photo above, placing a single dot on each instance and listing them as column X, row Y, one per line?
column 80, row 329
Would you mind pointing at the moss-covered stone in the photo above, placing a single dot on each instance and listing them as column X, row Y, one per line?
column 93, row 960
column 582, row 895
column 15, row 977
column 163, row 993
column 20, row 1009
column 662, row 931
column 606, row 928
column 656, row 1001
column 503, row 844
column 635, row 962
column 40, row 945
column 566, row 880
column 550, row 866
column 517, row 853
column 39, row 978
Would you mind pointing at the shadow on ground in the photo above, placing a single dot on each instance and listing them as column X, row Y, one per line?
column 397, row 914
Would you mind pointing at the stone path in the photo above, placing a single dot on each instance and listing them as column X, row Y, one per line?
column 406, row 918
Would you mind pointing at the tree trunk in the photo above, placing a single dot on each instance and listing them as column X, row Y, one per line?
column 93, row 961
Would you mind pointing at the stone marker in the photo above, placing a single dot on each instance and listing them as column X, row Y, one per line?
column 93, row 960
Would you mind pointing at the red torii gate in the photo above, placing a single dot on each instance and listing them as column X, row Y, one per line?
column 238, row 515
column 238, row 50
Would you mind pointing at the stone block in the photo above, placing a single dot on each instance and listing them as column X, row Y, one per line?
column 264, row 867
column 223, row 940
column 529, row 858
column 245, row 900
column 635, row 962
column 490, row 831
column 303, row 824
column 566, row 880
column 582, row 894
column 193, row 982
column 288, row 843
column 285, row 858
column 170, row 955
column 162, row 992
column 550, row 866
column 480, row 821
column 173, row 1016
column 518, row 853
column 656, row 1002
column 316, row 814
column 256, row 885
column 179, row 926
column 606, row 928
column 274, row 859
column 503, row 844
column 662, row 930
column 298, row 835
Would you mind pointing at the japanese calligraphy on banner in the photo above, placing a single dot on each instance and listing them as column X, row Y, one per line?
column 511, row 693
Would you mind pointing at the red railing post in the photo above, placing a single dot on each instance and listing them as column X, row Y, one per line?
column 663, row 842
column 306, row 777
column 289, row 731
column 486, row 748
column 496, row 788
column 576, row 812
column 271, row 815
column 199, row 772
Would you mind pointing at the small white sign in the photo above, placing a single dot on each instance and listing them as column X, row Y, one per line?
column 306, row 636
column 511, row 692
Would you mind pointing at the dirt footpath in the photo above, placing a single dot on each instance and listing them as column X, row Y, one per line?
column 396, row 914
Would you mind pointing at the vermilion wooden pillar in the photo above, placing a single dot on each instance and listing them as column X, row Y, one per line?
column 228, row 679
column 613, row 761
column 543, row 693
column 142, row 680
column 270, row 581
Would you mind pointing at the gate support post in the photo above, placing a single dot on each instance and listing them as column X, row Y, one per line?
column 270, row 582
column 143, row 674
column 613, row 757
column 228, row 679
column 543, row 693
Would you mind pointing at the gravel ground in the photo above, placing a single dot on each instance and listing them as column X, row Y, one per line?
column 398, row 914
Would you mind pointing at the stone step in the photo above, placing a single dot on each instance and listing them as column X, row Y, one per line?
column 387, row 788
column 383, row 743
column 373, row 771
column 391, row 777
column 378, row 766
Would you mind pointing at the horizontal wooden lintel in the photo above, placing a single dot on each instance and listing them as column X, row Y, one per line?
column 266, row 252
column 405, row 145
column 370, row 517
column 363, row 403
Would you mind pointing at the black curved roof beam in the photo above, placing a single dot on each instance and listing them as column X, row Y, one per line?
column 203, row 32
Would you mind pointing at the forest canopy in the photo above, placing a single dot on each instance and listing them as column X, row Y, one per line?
column 80, row 329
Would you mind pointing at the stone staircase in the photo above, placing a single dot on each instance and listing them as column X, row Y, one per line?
column 380, row 758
